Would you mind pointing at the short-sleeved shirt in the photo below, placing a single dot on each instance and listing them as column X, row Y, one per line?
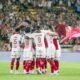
column 15, row 40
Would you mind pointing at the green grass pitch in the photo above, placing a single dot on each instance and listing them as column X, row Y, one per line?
column 68, row 71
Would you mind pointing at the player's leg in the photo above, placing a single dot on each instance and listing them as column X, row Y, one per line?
column 57, row 58
column 12, row 65
column 38, row 65
column 28, row 66
column 18, row 55
column 51, row 52
column 24, row 66
column 43, row 60
column 24, row 62
column 30, row 62
column 57, row 63
column 43, row 65
column 12, row 61
column 48, row 55
column 52, row 64
column 33, row 61
column 53, row 67
column 38, row 59
column 32, row 66
column 57, row 54
column 17, row 64
column 50, row 58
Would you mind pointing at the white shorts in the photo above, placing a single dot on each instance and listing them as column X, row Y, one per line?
column 41, row 53
column 15, row 54
column 27, row 55
column 50, row 52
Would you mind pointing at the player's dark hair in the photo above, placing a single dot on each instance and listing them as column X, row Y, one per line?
column 38, row 27
column 27, row 30
column 17, row 29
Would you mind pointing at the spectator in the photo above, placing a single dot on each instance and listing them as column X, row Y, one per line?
column 60, row 28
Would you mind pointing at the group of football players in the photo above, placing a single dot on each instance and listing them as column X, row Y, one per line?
column 38, row 49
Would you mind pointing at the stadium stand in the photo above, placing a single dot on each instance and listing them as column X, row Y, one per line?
column 45, row 13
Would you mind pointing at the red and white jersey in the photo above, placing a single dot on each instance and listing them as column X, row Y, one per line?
column 27, row 43
column 39, row 40
column 15, row 40
column 49, row 40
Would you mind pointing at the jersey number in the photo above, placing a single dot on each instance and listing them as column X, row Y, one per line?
column 15, row 41
column 39, row 39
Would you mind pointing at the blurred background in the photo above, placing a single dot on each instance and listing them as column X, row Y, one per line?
column 62, row 16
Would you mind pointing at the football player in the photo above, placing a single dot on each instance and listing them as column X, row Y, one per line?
column 15, row 42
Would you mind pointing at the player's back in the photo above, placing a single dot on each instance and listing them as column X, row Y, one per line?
column 15, row 39
column 27, row 42
column 39, row 40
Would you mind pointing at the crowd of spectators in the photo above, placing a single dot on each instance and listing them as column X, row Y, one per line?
column 32, row 13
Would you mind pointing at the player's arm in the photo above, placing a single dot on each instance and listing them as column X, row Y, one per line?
column 34, row 45
column 52, row 33
column 56, row 37
column 48, row 32
column 21, row 44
